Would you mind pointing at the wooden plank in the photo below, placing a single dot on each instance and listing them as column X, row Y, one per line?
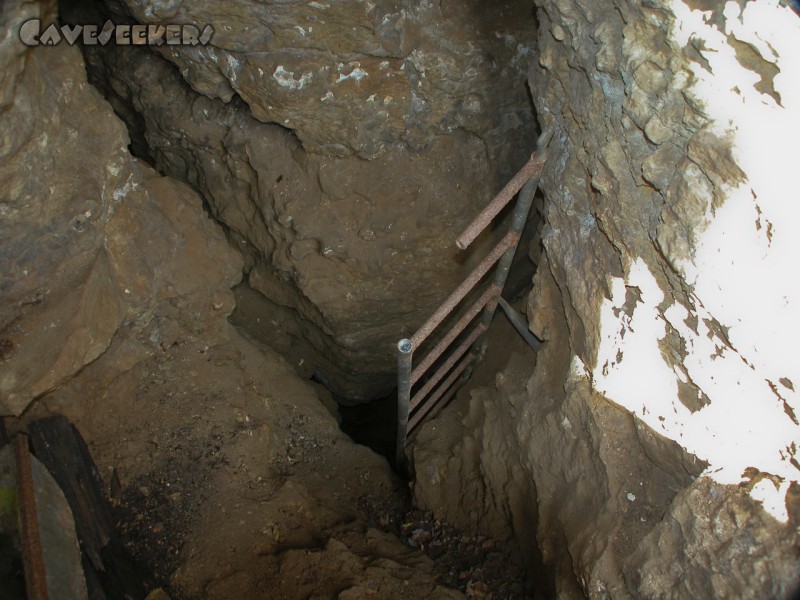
column 32, row 555
column 110, row 572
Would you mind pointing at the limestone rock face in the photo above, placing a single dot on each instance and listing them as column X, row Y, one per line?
column 347, row 255
column 657, row 432
column 74, row 207
column 359, row 77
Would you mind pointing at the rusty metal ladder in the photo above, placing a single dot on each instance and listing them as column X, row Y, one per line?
column 434, row 393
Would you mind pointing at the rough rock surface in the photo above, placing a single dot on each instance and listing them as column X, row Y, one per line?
column 360, row 77
column 76, row 207
column 274, row 130
column 652, row 447
column 232, row 477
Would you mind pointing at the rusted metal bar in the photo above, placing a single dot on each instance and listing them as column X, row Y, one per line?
column 510, row 239
column 405, row 353
column 445, row 368
column 32, row 557
column 445, row 400
column 520, row 324
column 525, row 181
column 417, row 417
column 518, row 220
column 533, row 168
column 489, row 295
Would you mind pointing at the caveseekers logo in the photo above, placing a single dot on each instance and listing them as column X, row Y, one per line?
column 31, row 34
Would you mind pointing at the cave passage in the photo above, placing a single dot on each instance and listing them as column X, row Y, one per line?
column 209, row 253
column 320, row 226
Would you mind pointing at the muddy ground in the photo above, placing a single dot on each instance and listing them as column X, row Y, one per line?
column 230, row 478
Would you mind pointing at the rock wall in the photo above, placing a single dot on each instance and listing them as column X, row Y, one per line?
column 342, row 145
column 94, row 241
column 359, row 77
column 229, row 476
column 656, row 434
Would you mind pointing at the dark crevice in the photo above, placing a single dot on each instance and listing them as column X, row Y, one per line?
column 373, row 424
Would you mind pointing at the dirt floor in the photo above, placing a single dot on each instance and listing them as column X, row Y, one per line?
column 230, row 478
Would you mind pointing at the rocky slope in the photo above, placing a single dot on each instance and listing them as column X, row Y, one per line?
column 651, row 449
